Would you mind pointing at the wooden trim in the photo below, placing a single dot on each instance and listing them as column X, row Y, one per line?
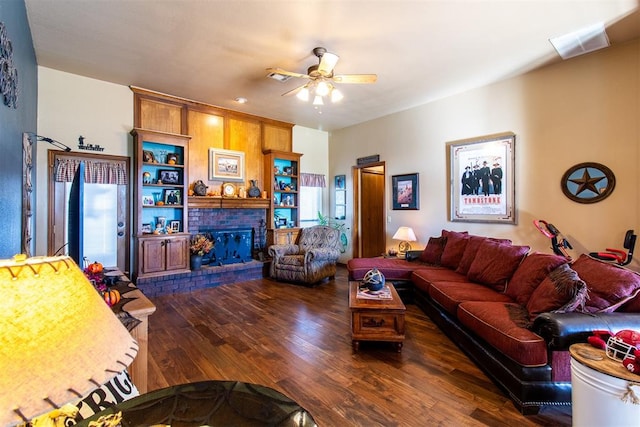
column 355, row 237
column 213, row 202
column 356, row 233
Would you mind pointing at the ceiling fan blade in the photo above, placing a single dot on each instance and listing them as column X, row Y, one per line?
column 327, row 62
column 295, row 90
column 355, row 78
column 285, row 72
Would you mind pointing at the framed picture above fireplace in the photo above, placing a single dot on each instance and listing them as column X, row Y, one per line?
column 227, row 165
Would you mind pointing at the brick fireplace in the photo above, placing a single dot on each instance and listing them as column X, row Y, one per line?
column 229, row 223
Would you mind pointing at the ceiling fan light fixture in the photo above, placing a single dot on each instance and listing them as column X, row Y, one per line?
column 328, row 61
column 323, row 88
column 318, row 100
column 303, row 94
column 336, row 95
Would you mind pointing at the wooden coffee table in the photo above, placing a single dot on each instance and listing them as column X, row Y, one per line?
column 376, row 320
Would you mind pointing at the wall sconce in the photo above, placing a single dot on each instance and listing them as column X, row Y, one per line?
column 405, row 235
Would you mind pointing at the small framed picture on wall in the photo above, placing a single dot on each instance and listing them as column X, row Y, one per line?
column 405, row 191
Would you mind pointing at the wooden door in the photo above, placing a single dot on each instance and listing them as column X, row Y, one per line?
column 372, row 225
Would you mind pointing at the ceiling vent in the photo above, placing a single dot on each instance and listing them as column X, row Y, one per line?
column 279, row 77
column 582, row 41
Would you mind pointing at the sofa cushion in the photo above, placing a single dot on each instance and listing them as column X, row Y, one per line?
column 438, row 274
column 494, row 323
column 530, row 273
column 471, row 250
column 632, row 306
column 454, row 248
column 610, row 286
column 432, row 253
column 450, row 294
column 561, row 290
column 421, row 277
column 392, row 268
column 495, row 263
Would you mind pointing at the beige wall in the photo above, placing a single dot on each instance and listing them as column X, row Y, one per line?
column 583, row 109
column 69, row 106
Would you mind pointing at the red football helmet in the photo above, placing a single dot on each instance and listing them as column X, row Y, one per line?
column 623, row 345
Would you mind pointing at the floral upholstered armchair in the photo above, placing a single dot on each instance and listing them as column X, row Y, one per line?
column 312, row 259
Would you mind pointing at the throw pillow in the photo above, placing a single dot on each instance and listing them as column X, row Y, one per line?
column 562, row 290
column 432, row 254
column 610, row 286
column 495, row 263
column 534, row 268
column 471, row 250
column 454, row 248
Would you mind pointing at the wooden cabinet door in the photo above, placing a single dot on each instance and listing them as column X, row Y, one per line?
column 177, row 253
column 152, row 255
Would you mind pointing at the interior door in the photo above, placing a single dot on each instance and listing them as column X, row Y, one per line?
column 372, row 228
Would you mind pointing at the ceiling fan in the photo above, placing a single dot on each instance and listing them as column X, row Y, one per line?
column 321, row 78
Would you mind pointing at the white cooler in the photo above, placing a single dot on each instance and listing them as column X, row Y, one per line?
column 597, row 398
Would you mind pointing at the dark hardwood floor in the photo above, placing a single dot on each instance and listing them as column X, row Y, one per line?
column 296, row 340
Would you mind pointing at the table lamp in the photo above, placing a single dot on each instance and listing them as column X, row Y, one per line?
column 58, row 340
column 405, row 235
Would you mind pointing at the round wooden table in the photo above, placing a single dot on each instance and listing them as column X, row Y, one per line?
column 211, row 403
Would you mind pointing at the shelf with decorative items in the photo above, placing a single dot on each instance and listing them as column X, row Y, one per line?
column 160, row 226
column 282, row 170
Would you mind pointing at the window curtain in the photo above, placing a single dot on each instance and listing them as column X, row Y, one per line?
column 312, row 180
column 96, row 171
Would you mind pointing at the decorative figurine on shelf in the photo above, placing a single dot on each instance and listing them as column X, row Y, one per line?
column 254, row 191
column 146, row 178
column 199, row 188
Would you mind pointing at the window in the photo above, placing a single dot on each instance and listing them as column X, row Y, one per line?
column 311, row 185
column 310, row 205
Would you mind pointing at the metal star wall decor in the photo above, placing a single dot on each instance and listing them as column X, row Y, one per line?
column 588, row 182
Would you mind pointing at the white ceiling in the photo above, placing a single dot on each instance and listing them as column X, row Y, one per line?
column 214, row 51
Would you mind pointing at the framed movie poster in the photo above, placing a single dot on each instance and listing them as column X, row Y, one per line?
column 405, row 191
column 482, row 179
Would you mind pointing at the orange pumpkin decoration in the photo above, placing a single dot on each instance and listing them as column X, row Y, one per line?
column 111, row 297
column 95, row 268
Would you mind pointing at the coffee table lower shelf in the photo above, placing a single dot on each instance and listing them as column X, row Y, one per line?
column 376, row 320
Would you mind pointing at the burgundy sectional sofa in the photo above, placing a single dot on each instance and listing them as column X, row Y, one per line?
column 514, row 313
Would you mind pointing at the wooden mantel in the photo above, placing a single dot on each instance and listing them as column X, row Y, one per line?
column 218, row 202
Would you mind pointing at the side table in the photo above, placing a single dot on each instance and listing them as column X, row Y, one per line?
column 138, row 306
column 376, row 320
column 602, row 390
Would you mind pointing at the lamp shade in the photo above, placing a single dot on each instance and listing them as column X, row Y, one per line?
column 405, row 234
column 58, row 338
